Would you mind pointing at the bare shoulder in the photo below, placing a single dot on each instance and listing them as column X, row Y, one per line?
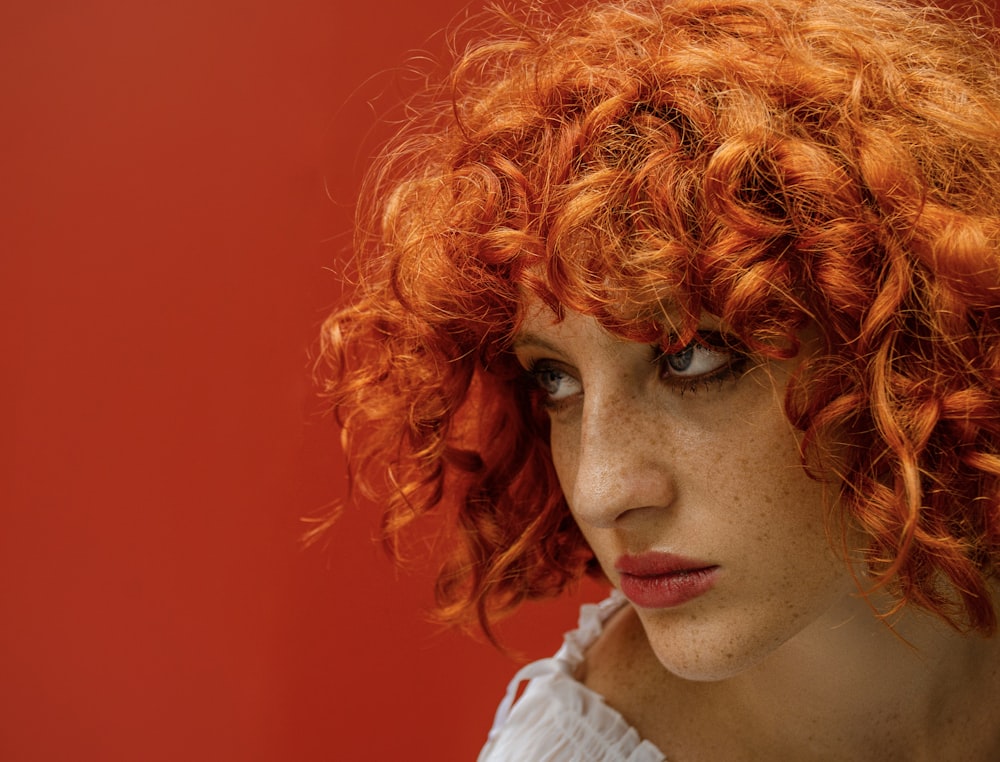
column 613, row 651
column 622, row 667
column 664, row 709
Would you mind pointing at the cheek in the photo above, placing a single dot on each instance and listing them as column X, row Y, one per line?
column 792, row 552
column 776, row 520
column 565, row 457
column 781, row 510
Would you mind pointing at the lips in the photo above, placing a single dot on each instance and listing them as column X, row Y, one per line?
column 664, row 580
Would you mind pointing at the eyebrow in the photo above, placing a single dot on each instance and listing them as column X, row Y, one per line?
column 529, row 339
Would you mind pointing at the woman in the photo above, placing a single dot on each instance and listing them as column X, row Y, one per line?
column 701, row 297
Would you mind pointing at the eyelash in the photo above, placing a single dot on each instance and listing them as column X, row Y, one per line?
column 710, row 340
column 713, row 341
column 536, row 370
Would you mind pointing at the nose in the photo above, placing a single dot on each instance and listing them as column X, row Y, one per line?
column 619, row 465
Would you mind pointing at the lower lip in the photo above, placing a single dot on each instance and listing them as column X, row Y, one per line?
column 665, row 591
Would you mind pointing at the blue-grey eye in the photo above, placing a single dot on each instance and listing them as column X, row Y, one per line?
column 556, row 383
column 695, row 360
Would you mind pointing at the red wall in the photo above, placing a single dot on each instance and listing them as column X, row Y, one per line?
column 165, row 234
column 165, row 239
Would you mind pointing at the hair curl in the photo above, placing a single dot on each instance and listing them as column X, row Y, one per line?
column 772, row 162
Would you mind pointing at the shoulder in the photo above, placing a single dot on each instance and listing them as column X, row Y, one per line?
column 669, row 712
column 614, row 653
column 559, row 713
column 622, row 668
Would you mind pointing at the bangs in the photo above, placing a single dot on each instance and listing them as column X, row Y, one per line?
column 773, row 164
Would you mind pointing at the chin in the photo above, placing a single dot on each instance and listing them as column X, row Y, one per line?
column 708, row 667
column 700, row 651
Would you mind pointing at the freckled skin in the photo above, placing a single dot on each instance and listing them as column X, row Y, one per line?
column 712, row 474
column 782, row 658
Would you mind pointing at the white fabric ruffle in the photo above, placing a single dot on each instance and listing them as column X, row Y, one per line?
column 557, row 718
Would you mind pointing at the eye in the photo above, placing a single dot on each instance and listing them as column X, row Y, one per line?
column 695, row 360
column 557, row 384
column 705, row 360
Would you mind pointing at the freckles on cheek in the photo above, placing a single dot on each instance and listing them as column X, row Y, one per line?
column 564, row 468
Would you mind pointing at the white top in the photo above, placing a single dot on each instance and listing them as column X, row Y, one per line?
column 558, row 718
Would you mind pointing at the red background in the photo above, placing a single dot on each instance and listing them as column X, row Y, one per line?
column 175, row 204
column 176, row 198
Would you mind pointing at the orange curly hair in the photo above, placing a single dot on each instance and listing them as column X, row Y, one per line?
column 771, row 162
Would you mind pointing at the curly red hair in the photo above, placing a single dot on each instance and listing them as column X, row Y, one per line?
column 771, row 162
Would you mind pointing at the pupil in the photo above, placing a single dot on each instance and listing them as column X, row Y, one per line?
column 681, row 361
column 550, row 381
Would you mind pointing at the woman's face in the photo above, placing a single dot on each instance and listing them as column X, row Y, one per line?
column 684, row 476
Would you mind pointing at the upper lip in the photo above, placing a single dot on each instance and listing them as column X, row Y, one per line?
column 654, row 564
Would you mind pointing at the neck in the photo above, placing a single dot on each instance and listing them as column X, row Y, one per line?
column 849, row 687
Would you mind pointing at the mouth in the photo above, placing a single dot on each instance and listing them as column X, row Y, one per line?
column 664, row 580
